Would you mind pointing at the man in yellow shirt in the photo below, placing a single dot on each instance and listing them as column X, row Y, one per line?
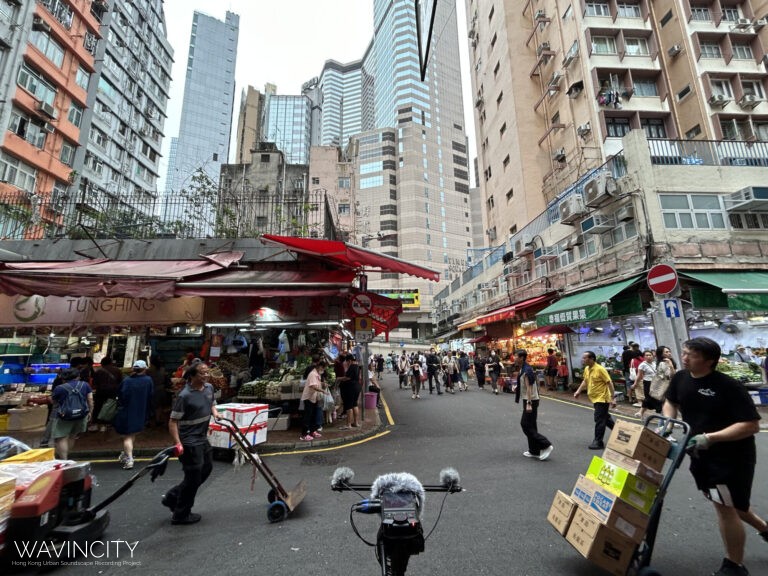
column 600, row 391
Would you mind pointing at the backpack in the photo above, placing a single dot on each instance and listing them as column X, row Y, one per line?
column 74, row 406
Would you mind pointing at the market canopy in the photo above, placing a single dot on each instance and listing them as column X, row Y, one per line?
column 349, row 256
column 148, row 279
column 269, row 283
column 480, row 339
column 584, row 306
column 469, row 324
column 743, row 290
column 547, row 330
column 509, row 311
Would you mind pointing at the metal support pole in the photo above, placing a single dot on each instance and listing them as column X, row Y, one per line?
column 364, row 372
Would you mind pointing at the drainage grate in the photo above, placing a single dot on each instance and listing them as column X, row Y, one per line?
column 320, row 460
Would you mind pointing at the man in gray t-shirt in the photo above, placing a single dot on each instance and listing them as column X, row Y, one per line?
column 189, row 429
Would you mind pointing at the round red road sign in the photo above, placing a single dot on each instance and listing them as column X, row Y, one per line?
column 662, row 279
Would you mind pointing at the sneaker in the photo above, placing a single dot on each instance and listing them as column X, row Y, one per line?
column 122, row 458
column 190, row 518
column 413, row 396
column 529, row 455
column 320, row 429
column 729, row 568
column 637, row 405
column 596, row 446
column 547, row 451
column 168, row 501
column 307, row 438
column 496, row 392
column 317, row 434
column 128, row 464
column 418, row 397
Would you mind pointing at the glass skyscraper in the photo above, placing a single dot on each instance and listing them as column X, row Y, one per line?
column 209, row 91
column 341, row 88
column 288, row 124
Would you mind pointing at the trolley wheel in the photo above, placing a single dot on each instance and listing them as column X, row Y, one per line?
column 271, row 495
column 277, row 511
column 648, row 571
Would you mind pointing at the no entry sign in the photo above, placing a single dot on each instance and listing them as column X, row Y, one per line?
column 662, row 279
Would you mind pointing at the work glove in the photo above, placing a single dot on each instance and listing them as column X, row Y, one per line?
column 697, row 443
column 178, row 449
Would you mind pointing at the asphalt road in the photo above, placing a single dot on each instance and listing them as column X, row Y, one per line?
column 497, row 526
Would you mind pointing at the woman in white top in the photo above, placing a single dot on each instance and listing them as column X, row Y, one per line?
column 645, row 373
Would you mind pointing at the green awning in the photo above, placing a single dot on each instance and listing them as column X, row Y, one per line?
column 584, row 306
column 744, row 290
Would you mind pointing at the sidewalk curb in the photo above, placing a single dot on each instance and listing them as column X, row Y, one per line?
column 266, row 447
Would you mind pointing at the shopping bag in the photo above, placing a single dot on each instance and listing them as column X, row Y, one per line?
column 108, row 410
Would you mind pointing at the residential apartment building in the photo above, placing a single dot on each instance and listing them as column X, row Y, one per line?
column 331, row 174
column 209, row 92
column 574, row 78
column 46, row 64
column 124, row 120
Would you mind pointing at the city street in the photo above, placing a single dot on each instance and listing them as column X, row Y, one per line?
column 498, row 526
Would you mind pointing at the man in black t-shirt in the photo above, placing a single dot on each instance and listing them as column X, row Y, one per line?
column 723, row 422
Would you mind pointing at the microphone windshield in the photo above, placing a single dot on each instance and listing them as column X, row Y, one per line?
column 449, row 478
column 341, row 477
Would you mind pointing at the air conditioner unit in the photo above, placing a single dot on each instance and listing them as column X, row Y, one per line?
column 474, row 42
column 572, row 209
column 472, row 33
column 759, row 23
column 742, row 23
column 508, row 257
column 599, row 190
column 518, row 269
column 675, row 50
column 749, row 101
column 523, row 248
column 750, row 199
column 46, row 109
column 555, row 80
column 479, row 102
column 625, row 213
column 485, row 286
column 597, row 224
column 559, row 155
column 48, row 127
column 575, row 240
column 568, row 60
column 40, row 25
column 584, row 129
column 545, row 254
column 491, row 232
column 720, row 100
column 540, row 15
column 544, row 46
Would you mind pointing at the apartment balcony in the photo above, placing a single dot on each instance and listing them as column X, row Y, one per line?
column 708, row 153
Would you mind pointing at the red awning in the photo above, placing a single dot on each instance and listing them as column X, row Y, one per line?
column 149, row 279
column 270, row 283
column 480, row 339
column 509, row 311
column 349, row 256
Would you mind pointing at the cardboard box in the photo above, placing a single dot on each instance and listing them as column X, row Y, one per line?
column 609, row 509
column 34, row 455
column 599, row 544
column 282, row 422
column 634, row 466
column 561, row 512
column 639, row 443
column 218, row 436
column 244, row 415
column 622, row 483
column 27, row 418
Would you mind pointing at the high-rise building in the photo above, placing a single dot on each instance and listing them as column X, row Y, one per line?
column 209, row 91
column 45, row 68
column 413, row 171
column 123, row 123
column 557, row 87
column 249, row 122
column 341, row 100
column 288, row 124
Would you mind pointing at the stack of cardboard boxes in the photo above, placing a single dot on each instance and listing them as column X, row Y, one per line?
column 251, row 419
column 607, row 513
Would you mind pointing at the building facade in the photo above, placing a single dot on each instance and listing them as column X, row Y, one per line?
column 332, row 174
column 249, row 124
column 575, row 78
column 124, row 120
column 288, row 123
column 340, row 99
column 209, row 92
column 47, row 63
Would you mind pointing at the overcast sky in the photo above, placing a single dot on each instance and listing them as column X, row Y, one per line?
column 285, row 43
